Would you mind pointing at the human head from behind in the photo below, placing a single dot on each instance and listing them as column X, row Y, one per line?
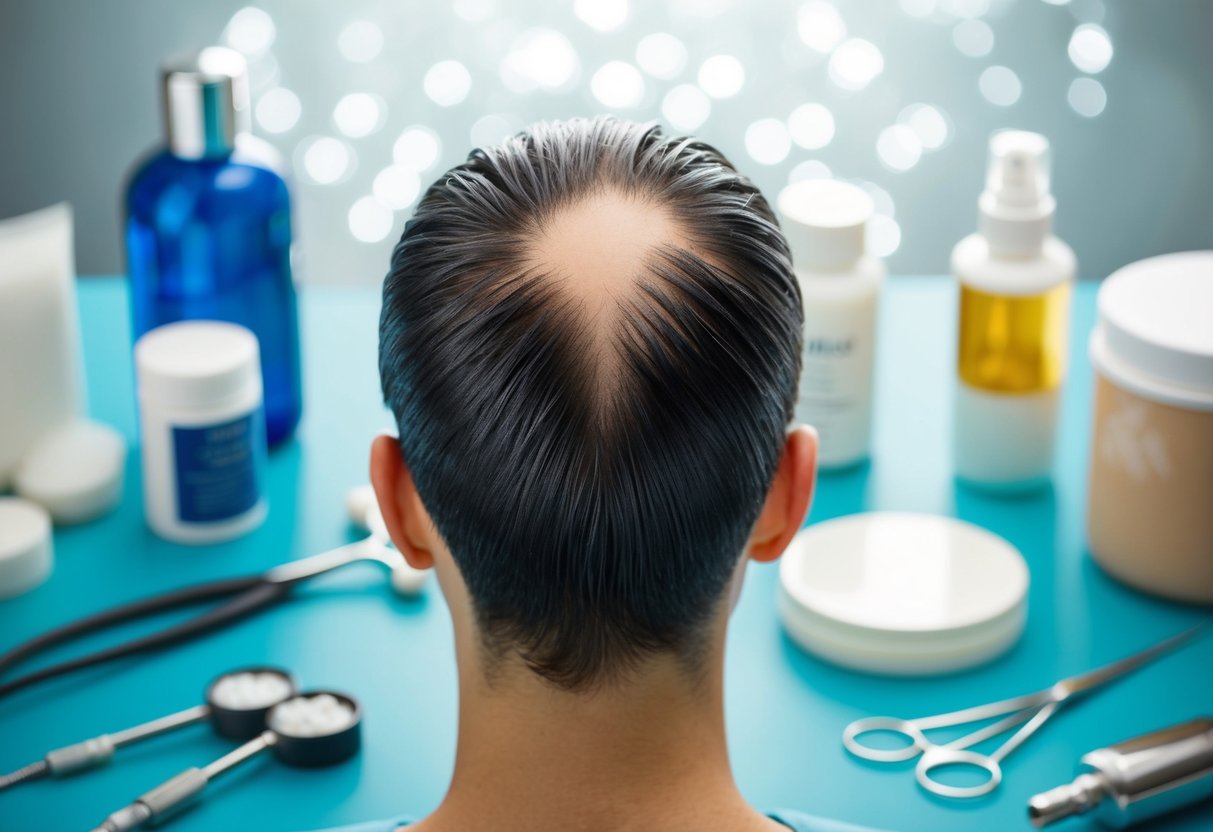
column 590, row 340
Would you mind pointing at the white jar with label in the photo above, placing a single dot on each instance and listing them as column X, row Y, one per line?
column 824, row 222
column 202, row 430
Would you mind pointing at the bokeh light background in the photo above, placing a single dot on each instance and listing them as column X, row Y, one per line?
column 370, row 101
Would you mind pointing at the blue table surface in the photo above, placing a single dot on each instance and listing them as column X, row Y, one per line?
column 786, row 710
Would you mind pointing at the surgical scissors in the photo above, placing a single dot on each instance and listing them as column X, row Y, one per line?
column 247, row 595
column 1029, row 712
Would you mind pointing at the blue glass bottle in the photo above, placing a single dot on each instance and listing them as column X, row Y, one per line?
column 208, row 226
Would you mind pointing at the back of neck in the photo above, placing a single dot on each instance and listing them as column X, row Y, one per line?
column 650, row 753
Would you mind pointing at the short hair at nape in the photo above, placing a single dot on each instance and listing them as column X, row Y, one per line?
column 595, row 523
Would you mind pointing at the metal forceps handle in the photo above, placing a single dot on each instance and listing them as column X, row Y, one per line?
column 1032, row 709
column 247, row 595
column 1029, row 712
column 959, row 756
column 1048, row 703
column 1015, row 711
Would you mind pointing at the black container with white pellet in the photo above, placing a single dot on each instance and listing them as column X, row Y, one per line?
column 320, row 749
column 245, row 723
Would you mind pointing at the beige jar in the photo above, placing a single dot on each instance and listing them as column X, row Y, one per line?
column 1150, row 503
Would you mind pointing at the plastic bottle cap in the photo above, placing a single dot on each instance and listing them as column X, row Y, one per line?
column 1015, row 211
column 824, row 222
column 196, row 364
column 26, row 553
column 75, row 471
column 1018, row 172
column 902, row 594
column 1156, row 320
column 206, row 102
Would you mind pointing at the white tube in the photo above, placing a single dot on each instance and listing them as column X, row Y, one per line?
column 40, row 358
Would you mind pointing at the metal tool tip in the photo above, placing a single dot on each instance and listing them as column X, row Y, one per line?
column 1050, row 806
column 1065, row 801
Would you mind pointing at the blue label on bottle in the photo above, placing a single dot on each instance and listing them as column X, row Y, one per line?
column 219, row 468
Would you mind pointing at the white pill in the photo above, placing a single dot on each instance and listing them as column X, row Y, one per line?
column 249, row 690
column 311, row 716
column 286, row 713
column 330, row 724
column 324, row 702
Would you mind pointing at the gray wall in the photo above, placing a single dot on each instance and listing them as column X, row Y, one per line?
column 78, row 104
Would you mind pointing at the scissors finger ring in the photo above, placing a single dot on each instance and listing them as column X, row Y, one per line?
column 939, row 757
column 916, row 741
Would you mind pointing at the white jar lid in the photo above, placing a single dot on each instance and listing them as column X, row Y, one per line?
column 1156, row 327
column 196, row 363
column 902, row 594
column 26, row 554
column 824, row 221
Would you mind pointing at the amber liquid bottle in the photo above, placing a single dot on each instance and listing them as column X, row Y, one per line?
column 1015, row 281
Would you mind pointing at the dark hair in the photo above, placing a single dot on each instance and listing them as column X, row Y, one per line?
column 595, row 523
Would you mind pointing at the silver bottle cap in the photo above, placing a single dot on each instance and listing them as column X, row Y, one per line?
column 206, row 102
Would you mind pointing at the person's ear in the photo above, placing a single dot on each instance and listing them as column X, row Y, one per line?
column 408, row 523
column 788, row 499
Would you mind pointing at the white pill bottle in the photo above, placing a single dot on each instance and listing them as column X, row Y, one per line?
column 1015, row 279
column 202, row 430
column 824, row 222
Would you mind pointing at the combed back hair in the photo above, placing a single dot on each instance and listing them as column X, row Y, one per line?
column 594, row 474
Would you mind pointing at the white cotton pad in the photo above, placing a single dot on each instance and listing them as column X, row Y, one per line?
column 902, row 594
column 26, row 552
column 74, row 471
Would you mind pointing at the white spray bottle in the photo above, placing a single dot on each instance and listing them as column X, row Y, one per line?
column 1015, row 284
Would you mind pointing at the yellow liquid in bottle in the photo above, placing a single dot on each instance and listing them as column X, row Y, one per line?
column 1011, row 344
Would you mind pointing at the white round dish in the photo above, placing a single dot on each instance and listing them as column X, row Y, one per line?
column 902, row 594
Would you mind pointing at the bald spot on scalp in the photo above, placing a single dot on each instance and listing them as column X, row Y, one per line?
column 597, row 248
